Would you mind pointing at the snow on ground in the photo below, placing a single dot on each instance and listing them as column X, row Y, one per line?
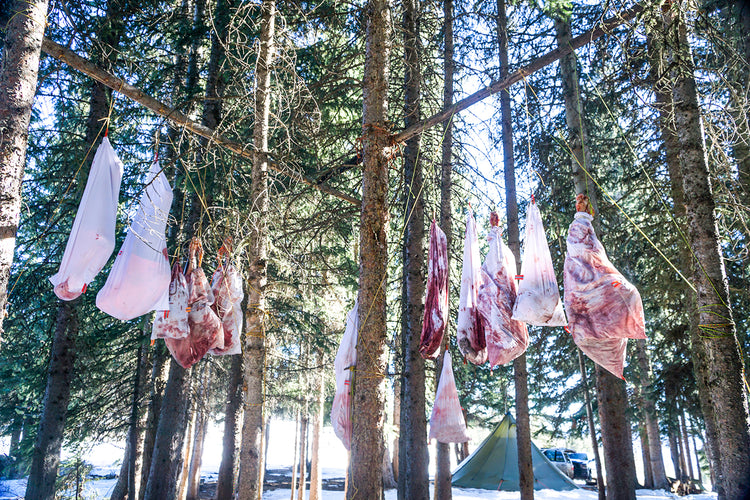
column 466, row 494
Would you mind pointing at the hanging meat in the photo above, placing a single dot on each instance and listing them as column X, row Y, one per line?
column 139, row 279
column 436, row 305
column 506, row 337
column 92, row 238
column 470, row 331
column 447, row 424
column 538, row 301
column 173, row 322
column 205, row 327
column 604, row 309
column 346, row 358
column 226, row 286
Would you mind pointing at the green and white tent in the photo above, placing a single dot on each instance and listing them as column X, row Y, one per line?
column 494, row 465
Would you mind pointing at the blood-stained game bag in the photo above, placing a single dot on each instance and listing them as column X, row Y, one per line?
column 604, row 309
column 506, row 338
column 538, row 301
column 346, row 358
column 139, row 279
column 226, row 285
column 470, row 334
column 436, row 305
column 205, row 327
column 173, row 323
column 447, row 424
column 92, row 238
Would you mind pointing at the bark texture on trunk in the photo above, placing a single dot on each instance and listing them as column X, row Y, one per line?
column 719, row 368
column 616, row 436
column 651, row 420
column 619, row 461
column 254, row 354
column 648, row 475
column 302, row 454
column 520, row 373
column 368, row 384
column 443, row 488
column 413, row 479
column 686, row 447
column 18, row 78
column 316, row 479
column 601, row 491
column 166, row 458
column 232, row 429
column 674, row 451
column 201, row 426
column 577, row 137
column 158, row 383
column 46, row 454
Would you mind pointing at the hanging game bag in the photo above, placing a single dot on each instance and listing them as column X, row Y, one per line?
column 447, row 424
column 205, row 327
column 139, row 279
column 173, row 322
column 604, row 309
column 226, row 286
column 506, row 338
column 436, row 305
column 538, row 301
column 346, row 358
column 92, row 238
column 470, row 332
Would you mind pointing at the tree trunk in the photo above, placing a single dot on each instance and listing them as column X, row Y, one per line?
column 719, row 368
column 613, row 402
column 368, row 388
column 686, row 444
column 18, row 78
column 674, row 450
column 295, row 457
column 302, row 453
column 232, row 427
column 656, row 460
column 520, row 374
column 601, row 491
column 254, row 354
column 157, row 383
column 187, row 451
column 201, row 426
column 443, row 489
column 120, row 490
column 648, row 474
column 658, row 56
column 316, row 479
column 166, row 459
column 137, row 421
column 697, row 459
column 413, row 479
column 616, row 437
column 46, row 455
column 396, row 416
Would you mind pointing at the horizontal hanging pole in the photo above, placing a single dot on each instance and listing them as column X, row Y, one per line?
column 537, row 64
column 118, row 85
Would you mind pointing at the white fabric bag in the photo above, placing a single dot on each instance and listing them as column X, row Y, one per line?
column 470, row 332
column 538, row 302
column 92, row 238
column 139, row 279
column 346, row 357
column 447, row 423
column 227, row 288
column 173, row 323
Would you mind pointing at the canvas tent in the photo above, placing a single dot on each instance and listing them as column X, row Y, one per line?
column 494, row 465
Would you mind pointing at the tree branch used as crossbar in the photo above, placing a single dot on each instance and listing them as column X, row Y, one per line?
column 87, row 67
column 74, row 60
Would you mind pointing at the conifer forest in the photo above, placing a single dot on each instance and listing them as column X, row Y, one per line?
column 399, row 222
